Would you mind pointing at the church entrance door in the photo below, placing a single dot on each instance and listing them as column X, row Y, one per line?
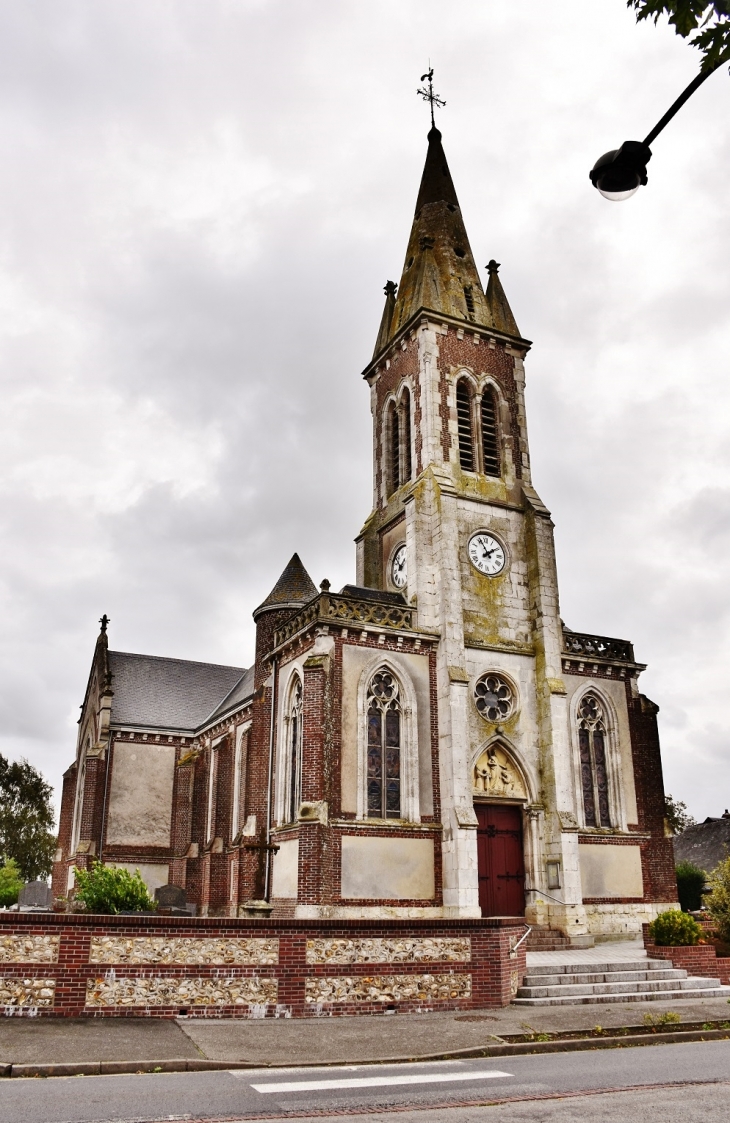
column 500, row 859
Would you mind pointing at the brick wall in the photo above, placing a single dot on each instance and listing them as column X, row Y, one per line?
column 54, row 977
column 699, row 959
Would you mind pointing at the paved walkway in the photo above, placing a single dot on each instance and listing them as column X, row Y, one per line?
column 614, row 951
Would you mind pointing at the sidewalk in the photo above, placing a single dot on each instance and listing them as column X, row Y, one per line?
column 329, row 1040
column 311, row 1041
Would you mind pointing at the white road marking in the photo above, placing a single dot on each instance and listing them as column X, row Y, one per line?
column 374, row 1081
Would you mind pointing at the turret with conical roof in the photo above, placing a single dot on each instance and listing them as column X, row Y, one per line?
column 440, row 274
column 293, row 589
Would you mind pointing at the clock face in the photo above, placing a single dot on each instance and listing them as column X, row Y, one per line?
column 486, row 554
column 398, row 570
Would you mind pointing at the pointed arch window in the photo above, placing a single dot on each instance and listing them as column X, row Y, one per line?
column 398, row 442
column 293, row 789
column 593, row 770
column 384, row 728
column 490, row 434
column 464, row 424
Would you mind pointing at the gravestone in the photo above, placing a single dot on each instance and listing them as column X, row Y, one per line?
column 171, row 897
column 35, row 895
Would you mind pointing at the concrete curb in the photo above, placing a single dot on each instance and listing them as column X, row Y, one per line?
column 509, row 1049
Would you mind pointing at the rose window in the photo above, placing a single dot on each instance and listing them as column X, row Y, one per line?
column 494, row 698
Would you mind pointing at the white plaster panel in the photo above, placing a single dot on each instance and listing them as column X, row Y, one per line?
column 415, row 667
column 154, row 874
column 140, row 795
column 285, row 878
column 376, row 868
column 615, row 689
column 610, row 871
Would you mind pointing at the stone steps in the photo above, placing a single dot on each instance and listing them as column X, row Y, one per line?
column 642, row 981
column 546, row 939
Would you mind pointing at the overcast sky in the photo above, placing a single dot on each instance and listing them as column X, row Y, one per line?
column 200, row 203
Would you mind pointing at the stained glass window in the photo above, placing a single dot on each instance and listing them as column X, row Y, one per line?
column 384, row 747
column 593, row 768
column 293, row 792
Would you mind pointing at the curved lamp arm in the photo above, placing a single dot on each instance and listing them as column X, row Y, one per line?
column 620, row 173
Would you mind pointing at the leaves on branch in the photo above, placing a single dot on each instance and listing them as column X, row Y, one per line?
column 26, row 819
column 707, row 26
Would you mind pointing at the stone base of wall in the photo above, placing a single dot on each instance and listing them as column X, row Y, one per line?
column 622, row 921
column 112, row 966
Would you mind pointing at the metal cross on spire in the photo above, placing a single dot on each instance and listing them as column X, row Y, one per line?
column 426, row 92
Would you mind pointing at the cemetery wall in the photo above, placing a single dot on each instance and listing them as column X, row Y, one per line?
column 166, row 966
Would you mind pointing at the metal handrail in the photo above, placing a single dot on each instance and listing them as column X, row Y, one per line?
column 544, row 894
column 522, row 938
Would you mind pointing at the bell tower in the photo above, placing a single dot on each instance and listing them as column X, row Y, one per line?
column 456, row 525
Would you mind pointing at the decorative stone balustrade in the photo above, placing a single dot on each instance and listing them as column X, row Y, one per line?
column 336, row 608
column 582, row 645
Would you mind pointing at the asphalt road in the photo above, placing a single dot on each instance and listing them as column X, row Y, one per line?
column 698, row 1076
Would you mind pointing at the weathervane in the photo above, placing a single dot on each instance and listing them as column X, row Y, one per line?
column 426, row 92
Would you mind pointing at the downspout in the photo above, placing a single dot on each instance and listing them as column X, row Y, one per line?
column 267, row 879
column 106, row 790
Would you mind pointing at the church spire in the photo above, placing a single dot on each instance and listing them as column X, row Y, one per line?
column 440, row 273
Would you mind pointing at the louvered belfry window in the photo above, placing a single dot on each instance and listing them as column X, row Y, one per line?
column 490, row 436
column 593, row 770
column 384, row 747
column 394, row 424
column 405, row 408
column 463, row 417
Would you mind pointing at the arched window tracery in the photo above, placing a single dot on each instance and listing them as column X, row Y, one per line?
column 293, row 792
column 384, row 729
column 592, row 748
column 405, row 412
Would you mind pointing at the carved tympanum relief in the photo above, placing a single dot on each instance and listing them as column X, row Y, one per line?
column 496, row 775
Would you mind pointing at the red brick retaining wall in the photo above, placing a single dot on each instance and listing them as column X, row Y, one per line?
column 45, row 966
column 695, row 959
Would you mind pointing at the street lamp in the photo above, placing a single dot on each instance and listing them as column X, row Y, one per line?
column 620, row 173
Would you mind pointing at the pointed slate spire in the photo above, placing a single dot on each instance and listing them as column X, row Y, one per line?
column 293, row 589
column 499, row 308
column 439, row 272
column 384, row 332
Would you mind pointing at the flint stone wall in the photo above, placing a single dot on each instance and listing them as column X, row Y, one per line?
column 183, row 950
column 179, row 992
column 389, row 988
column 28, row 949
column 116, row 966
column 389, row 951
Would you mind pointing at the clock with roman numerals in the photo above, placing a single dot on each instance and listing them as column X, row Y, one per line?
column 486, row 554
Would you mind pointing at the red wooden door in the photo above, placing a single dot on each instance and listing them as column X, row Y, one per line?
column 500, row 860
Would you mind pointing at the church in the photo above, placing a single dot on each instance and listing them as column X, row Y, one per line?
column 429, row 742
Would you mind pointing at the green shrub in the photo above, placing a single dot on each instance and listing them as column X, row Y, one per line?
column 674, row 929
column 10, row 883
column 718, row 900
column 108, row 889
column 690, row 883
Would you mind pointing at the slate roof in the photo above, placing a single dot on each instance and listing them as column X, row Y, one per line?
column 704, row 844
column 241, row 691
column 171, row 694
